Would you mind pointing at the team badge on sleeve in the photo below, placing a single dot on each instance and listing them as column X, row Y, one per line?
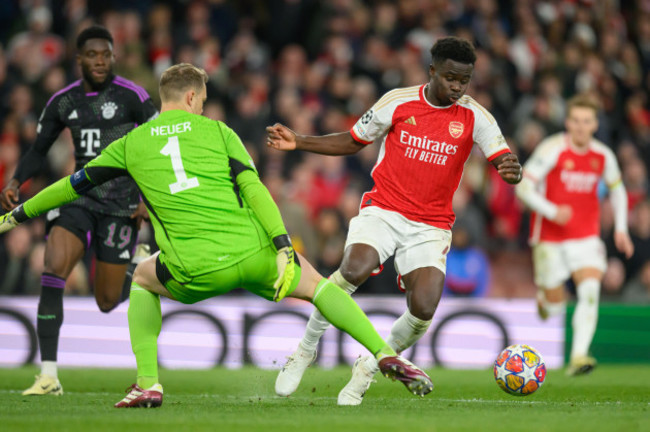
column 456, row 129
column 360, row 126
column 367, row 117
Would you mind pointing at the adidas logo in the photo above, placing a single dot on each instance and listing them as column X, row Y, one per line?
column 410, row 120
column 73, row 115
column 125, row 254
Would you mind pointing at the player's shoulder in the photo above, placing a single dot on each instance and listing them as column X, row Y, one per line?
column 553, row 143
column 205, row 125
column 64, row 92
column 468, row 102
column 399, row 96
column 129, row 87
column 598, row 146
column 222, row 128
column 206, row 121
column 551, row 147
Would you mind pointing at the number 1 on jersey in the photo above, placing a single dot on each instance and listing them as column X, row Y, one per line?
column 173, row 150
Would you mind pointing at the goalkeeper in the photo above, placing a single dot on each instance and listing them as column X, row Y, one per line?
column 216, row 225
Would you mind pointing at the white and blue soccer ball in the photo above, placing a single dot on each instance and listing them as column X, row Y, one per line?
column 519, row 370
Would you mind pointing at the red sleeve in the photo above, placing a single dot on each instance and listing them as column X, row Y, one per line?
column 497, row 154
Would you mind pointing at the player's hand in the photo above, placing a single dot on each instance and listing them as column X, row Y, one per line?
column 624, row 243
column 563, row 216
column 140, row 214
column 280, row 137
column 7, row 222
column 286, row 272
column 9, row 195
column 509, row 168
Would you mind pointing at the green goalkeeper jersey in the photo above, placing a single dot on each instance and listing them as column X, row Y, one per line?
column 191, row 172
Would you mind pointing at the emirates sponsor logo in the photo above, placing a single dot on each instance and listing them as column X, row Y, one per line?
column 427, row 144
column 579, row 182
column 425, row 149
column 456, row 129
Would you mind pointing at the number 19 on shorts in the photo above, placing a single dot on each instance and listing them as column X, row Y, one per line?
column 182, row 183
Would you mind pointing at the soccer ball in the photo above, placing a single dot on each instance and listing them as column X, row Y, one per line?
column 519, row 370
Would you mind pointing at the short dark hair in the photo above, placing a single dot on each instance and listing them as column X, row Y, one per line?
column 453, row 48
column 93, row 32
column 180, row 78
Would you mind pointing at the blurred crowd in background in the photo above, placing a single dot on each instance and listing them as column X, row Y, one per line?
column 317, row 66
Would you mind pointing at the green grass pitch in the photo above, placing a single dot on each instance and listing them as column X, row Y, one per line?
column 613, row 398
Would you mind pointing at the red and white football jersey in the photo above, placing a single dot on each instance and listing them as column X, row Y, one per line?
column 423, row 151
column 565, row 174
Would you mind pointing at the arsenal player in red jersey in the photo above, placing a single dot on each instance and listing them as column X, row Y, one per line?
column 560, row 186
column 426, row 134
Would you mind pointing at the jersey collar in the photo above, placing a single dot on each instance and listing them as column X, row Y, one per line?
column 423, row 96
column 575, row 149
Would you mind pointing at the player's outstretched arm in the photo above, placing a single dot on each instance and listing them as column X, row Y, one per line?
column 528, row 194
column 49, row 128
column 259, row 199
column 281, row 137
column 58, row 193
column 29, row 165
column 9, row 195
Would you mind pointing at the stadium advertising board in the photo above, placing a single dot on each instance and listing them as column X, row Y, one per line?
column 236, row 330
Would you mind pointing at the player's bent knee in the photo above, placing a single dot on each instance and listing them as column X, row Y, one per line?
column 353, row 275
column 554, row 295
column 106, row 305
column 423, row 312
column 140, row 277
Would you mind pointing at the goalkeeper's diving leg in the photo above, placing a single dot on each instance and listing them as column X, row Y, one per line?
column 344, row 313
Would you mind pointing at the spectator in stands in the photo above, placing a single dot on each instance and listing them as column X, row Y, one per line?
column 468, row 267
column 317, row 66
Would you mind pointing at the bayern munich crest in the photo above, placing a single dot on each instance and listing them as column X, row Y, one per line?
column 456, row 129
column 108, row 110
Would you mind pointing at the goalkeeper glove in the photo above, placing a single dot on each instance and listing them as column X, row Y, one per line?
column 12, row 219
column 286, row 271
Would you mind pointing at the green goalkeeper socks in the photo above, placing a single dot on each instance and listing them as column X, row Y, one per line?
column 145, row 321
column 344, row 313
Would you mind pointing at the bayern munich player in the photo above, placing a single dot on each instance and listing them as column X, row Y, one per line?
column 426, row 134
column 560, row 186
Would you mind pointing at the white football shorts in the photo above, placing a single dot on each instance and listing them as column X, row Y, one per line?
column 414, row 244
column 554, row 262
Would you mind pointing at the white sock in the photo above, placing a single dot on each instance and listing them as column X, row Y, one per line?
column 49, row 368
column 552, row 308
column 406, row 330
column 585, row 317
column 317, row 322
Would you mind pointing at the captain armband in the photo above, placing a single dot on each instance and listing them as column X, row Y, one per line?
column 80, row 182
column 282, row 241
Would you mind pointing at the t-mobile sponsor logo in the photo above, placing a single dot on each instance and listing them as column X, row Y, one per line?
column 90, row 141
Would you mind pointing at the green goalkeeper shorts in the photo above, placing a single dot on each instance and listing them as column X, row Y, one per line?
column 256, row 274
